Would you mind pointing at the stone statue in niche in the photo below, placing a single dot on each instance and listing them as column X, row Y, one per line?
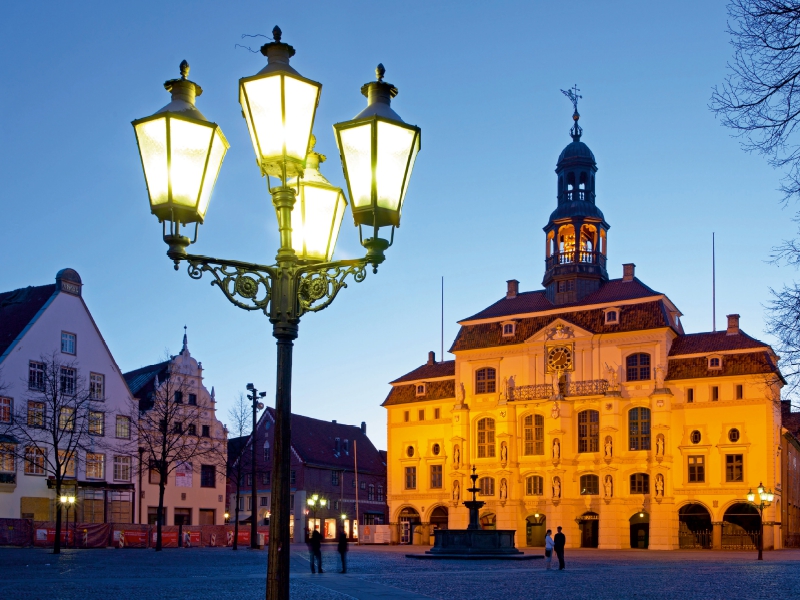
column 503, row 489
column 556, row 488
column 556, row 412
column 660, row 445
column 608, row 447
column 456, row 491
column 608, row 486
column 456, row 456
column 659, row 486
column 556, row 449
column 503, row 452
column 660, row 373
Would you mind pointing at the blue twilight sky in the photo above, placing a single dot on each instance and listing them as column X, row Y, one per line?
column 481, row 79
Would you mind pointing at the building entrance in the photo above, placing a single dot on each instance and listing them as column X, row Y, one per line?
column 694, row 527
column 640, row 530
column 488, row 521
column 741, row 527
column 439, row 518
column 589, row 523
column 535, row 528
column 409, row 519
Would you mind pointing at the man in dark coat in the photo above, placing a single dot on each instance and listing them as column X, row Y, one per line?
column 559, row 541
column 343, row 550
column 316, row 550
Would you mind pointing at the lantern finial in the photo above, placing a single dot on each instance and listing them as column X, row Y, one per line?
column 276, row 33
column 380, row 71
column 184, row 69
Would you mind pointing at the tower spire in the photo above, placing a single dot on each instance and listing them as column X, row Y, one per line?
column 576, row 131
column 185, row 341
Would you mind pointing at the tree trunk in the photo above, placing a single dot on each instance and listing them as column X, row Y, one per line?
column 160, row 512
column 57, row 541
column 236, row 520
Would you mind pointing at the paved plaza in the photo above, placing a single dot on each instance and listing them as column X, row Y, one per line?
column 385, row 572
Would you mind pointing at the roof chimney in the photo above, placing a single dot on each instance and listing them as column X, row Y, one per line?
column 628, row 271
column 364, row 427
column 513, row 288
column 333, row 421
column 733, row 324
column 431, row 358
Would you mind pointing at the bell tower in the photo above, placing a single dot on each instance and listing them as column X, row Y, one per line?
column 576, row 234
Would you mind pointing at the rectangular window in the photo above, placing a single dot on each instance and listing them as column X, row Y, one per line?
column 265, row 477
column 206, row 431
column 436, row 477
column 35, row 414
column 6, row 408
column 380, row 493
column 739, row 392
column 639, row 428
column 335, row 478
column 178, row 397
column 7, row 462
column 248, row 480
column 714, row 393
column 734, row 467
column 534, row 486
column 690, row 395
column 411, row 478
column 208, row 476
column 241, row 502
column 422, row 414
column 178, row 427
column 95, row 466
column 588, row 431
column 67, row 466
column 437, row 413
column 371, row 493
column 35, row 376
column 363, row 485
column 123, row 427
column 97, row 386
column 264, row 501
column 34, row 461
column 249, row 501
column 153, row 475
column 68, row 377
column 122, row 468
column 292, row 477
column 533, row 432
column 406, row 416
column 97, row 423
column 193, row 399
column 640, row 483
column 66, row 418
column 486, row 447
column 192, row 429
column 697, row 469
column 68, row 342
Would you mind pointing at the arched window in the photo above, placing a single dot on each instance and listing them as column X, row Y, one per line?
column 533, row 430
column 590, row 485
column 486, row 485
column 639, row 428
column 640, row 483
column 534, row 485
column 588, row 431
column 486, row 438
column 485, row 380
column 638, row 367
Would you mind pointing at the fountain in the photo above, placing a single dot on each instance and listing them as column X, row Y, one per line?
column 474, row 542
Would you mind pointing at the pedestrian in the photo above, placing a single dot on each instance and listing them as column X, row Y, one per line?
column 343, row 550
column 316, row 550
column 548, row 549
column 559, row 541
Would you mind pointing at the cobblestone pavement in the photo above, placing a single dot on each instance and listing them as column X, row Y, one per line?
column 385, row 572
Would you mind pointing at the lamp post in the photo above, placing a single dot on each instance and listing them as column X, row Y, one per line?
column 182, row 153
column 67, row 502
column 227, row 516
column 254, row 396
column 765, row 498
column 316, row 502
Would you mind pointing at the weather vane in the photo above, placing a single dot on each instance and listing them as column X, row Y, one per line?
column 573, row 96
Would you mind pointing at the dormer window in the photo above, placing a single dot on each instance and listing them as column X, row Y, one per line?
column 336, row 446
column 509, row 328
column 714, row 363
column 420, row 389
column 347, row 447
column 611, row 316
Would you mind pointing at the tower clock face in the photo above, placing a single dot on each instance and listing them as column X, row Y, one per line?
column 559, row 358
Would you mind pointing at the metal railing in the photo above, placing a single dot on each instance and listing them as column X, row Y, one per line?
column 740, row 540
column 791, row 540
column 588, row 387
column 576, row 256
column 694, row 540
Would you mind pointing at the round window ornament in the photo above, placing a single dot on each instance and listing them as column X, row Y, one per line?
column 695, row 437
column 436, row 449
column 410, row 451
column 733, row 435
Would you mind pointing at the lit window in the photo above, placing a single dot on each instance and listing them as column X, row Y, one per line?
column 486, row 486
column 95, row 466
column 68, row 342
column 486, row 438
column 485, row 380
column 7, row 462
column 639, row 428
column 122, row 468
column 66, row 418
column 534, row 485
column 96, row 386
column 436, row 477
column 123, row 427
column 733, row 435
column 640, row 483
column 588, row 431
column 35, row 414
column 97, row 423
column 695, row 437
column 34, row 461
column 638, row 367
column 67, row 466
column 533, row 431
column 590, row 485
column 6, row 408
column 697, row 469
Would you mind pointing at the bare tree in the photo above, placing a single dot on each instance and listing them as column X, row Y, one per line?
column 238, row 460
column 166, row 431
column 53, row 424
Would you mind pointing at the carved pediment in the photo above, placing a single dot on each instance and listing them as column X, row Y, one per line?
column 558, row 331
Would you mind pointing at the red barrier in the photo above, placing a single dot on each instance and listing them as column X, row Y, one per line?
column 16, row 532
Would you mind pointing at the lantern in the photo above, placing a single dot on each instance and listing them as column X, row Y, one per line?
column 378, row 151
column 279, row 106
column 181, row 153
column 318, row 212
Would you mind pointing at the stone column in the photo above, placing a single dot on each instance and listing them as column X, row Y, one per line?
column 716, row 535
column 612, row 517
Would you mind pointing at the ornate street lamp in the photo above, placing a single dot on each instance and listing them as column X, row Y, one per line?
column 765, row 498
column 68, row 502
column 254, row 397
column 378, row 151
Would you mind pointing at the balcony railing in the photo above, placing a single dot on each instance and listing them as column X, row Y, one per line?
column 576, row 257
column 588, row 387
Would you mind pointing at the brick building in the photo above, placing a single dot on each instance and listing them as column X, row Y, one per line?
column 323, row 462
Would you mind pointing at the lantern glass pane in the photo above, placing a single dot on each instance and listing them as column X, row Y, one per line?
column 301, row 104
column 394, row 146
column 189, row 145
column 250, row 130
column 414, row 152
column 218, row 149
column 152, row 138
column 356, row 150
column 341, row 204
column 264, row 100
column 319, row 206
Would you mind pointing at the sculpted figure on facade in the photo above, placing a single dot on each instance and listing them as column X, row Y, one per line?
column 556, row 411
column 660, row 445
column 503, row 489
column 462, row 393
column 456, row 491
column 556, row 449
column 556, row 488
column 659, row 485
column 608, row 486
column 660, row 373
column 503, row 452
column 612, row 378
column 456, row 456
column 608, row 446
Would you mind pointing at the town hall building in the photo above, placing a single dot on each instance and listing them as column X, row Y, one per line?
column 586, row 405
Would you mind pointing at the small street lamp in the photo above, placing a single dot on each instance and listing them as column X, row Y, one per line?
column 315, row 501
column 68, row 501
column 227, row 516
column 765, row 498
column 254, row 396
column 182, row 153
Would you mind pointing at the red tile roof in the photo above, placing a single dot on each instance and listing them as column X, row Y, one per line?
column 17, row 310
column 750, row 363
column 446, row 368
column 434, row 390
column 528, row 302
column 719, row 341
